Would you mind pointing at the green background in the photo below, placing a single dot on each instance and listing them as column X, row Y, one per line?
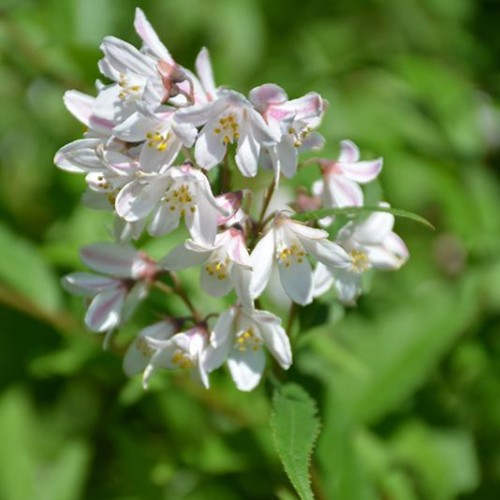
column 407, row 384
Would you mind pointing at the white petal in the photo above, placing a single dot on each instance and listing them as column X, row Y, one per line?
column 202, row 223
column 221, row 333
column 164, row 220
column 135, row 127
column 214, row 285
column 204, row 69
column 380, row 258
column 267, row 94
column 348, row 286
column 342, row 192
column 80, row 156
column 262, row 260
column 394, row 244
column 296, row 280
column 242, row 278
column 109, row 258
column 287, row 155
column 87, row 284
column 322, row 280
column 186, row 133
column 374, row 229
column 209, row 149
column 246, row 368
column 124, row 57
column 277, row 342
column 104, row 311
column 307, row 107
column 200, row 114
column 150, row 38
column 305, row 232
column 136, row 200
column 79, row 105
column 349, row 152
column 181, row 257
column 327, row 252
column 154, row 160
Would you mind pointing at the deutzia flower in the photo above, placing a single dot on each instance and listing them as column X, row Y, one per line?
column 229, row 119
column 341, row 178
column 371, row 244
column 115, row 296
column 292, row 120
column 184, row 350
column 180, row 192
column 238, row 338
column 140, row 352
column 226, row 264
column 289, row 242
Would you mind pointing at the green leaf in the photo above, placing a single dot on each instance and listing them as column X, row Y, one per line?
column 23, row 268
column 295, row 427
column 325, row 212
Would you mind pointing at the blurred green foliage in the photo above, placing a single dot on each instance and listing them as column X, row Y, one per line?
column 407, row 384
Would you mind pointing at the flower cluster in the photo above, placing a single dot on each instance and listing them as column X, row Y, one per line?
column 161, row 144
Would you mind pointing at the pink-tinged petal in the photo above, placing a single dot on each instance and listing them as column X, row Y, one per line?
column 306, row 107
column 134, row 297
column 80, row 156
column 79, row 105
column 104, row 311
column 329, row 253
column 242, row 279
column 342, row 192
column 267, row 94
column 109, row 258
column 121, row 164
column 362, row 171
column 322, row 280
column 348, row 286
column 150, row 38
column 125, row 58
column 162, row 358
column 87, row 284
column 394, row 244
column 262, row 260
column 374, row 229
column 287, row 155
column 349, row 152
column 217, row 285
column 204, row 69
column 296, row 279
column 265, row 134
column 236, row 248
column 277, row 342
column 181, row 258
column 209, row 149
column 246, row 368
column 164, row 220
column 138, row 198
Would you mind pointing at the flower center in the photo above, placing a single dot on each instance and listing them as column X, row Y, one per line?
column 157, row 140
column 126, row 88
column 299, row 135
column 360, row 262
column 143, row 347
column 218, row 269
column 288, row 254
column 228, row 128
column 180, row 199
column 247, row 340
column 182, row 360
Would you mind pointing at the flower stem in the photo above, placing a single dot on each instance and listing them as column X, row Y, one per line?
column 179, row 290
column 265, row 204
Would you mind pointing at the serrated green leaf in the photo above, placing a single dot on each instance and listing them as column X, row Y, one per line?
column 326, row 212
column 23, row 268
column 295, row 427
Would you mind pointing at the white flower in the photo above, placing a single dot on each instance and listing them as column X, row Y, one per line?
column 140, row 352
column 115, row 296
column 292, row 120
column 341, row 178
column 226, row 264
column 228, row 119
column 238, row 338
column 370, row 244
column 184, row 350
column 289, row 242
column 180, row 192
